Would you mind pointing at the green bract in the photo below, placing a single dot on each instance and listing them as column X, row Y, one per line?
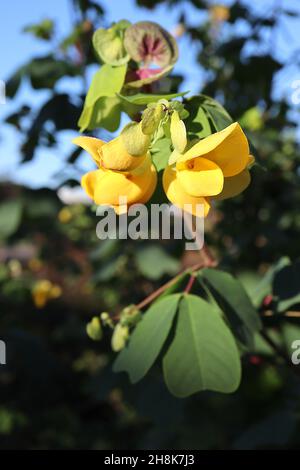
column 135, row 141
column 151, row 119
column 178, row 132
column 109, row 44
column 148, row 43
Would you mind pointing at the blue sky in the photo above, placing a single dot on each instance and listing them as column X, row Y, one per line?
column 17, row 48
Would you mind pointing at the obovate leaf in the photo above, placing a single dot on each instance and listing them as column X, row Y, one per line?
column 147, row 339
column 10, row 217
column 106, row 113
column 232, row 298
column 264, row 287
column 203, row 354
column 107, row 82
column 286, row 286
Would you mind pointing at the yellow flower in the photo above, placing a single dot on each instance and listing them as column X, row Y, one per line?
column 119, row 174
column 43, row 291
column 215, row 167
column 65, row 215
column 219, row 13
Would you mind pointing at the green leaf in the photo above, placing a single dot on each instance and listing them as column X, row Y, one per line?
column 43, row 30
column 216, row 112
column 153, row 262
column 106, row 82
column 286, row 286
column 203, row 354
column 147, row 338
column 105, row 113
column 10, row 217
column 265, row 285
column 161, row 152
column 43, row 72
column 146, row 98
column 232, row 298
column 262, row 347
column 197, row 122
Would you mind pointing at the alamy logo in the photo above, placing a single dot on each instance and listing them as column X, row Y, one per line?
column 159, row 221
column 2, row 353
column 296, row 353
column 2, row 92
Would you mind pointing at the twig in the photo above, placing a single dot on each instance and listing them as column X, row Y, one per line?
column 168, row 284
column 288, row 314
column 208, row 257
column 190, row 283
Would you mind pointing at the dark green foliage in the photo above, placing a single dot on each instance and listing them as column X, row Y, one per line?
column 57, row 390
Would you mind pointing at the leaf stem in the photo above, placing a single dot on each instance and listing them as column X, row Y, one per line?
column 208, row 260
column 168, row 284
column 190, row 283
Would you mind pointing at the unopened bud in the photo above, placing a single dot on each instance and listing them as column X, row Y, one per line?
column 134, row 140
column 178, row 132
column 119, row 337
column 94, row 329
column 151, row 119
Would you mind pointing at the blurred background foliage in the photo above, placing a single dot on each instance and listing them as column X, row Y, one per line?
column 57, row 389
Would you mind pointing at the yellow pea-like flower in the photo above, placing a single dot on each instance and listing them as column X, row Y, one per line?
column 219, row 13
column 43, row 291
column 214, row 168
column 119, row 174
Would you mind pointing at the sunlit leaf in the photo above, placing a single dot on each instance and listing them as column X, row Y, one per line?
column 147, row 339
column 203, row 354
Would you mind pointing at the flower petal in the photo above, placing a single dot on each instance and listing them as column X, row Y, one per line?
column 177, row 195
column 234, row 185
column 134, row 186
column 91, row 145
column 229, row 149
column 90, row 180
column 114, row 156
column 200, row 177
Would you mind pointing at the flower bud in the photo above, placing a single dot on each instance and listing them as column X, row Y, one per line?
column 151, row 119
column 119, row 337
column 178, row 132
column 94, row 329
column 134, row 140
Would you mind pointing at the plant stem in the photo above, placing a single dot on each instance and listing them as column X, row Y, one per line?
column 190, row 284
column 208, row 261
column 168, row 284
